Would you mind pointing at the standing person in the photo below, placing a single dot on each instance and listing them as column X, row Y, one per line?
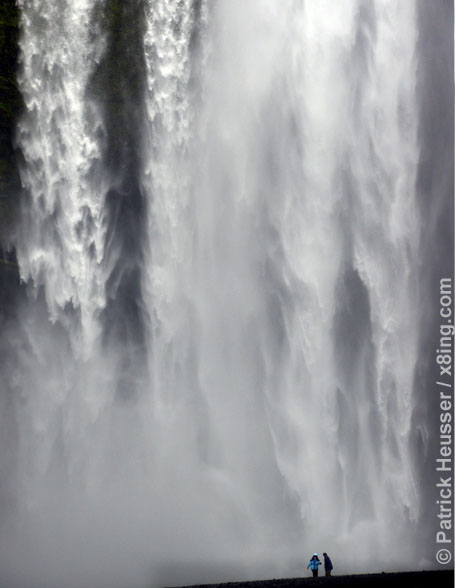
column 328, row 566
column 314, row 564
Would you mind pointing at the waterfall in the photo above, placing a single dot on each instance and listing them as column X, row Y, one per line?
column 219, row 243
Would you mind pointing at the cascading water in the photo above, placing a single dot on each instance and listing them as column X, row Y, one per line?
column 216, row 358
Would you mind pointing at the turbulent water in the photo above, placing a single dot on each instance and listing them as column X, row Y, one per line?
column 219, row 241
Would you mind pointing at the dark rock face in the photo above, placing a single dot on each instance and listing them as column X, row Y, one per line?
column 117, row 86
column 10, row 101
column 10, row 108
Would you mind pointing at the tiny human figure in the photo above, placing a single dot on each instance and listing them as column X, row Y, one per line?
column 314, row 564
column 328, row 566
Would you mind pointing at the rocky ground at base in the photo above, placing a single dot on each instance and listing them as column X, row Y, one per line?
column 423, row 579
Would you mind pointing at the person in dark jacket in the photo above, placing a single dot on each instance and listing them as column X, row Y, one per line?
column 327, row 565
column 314, row 564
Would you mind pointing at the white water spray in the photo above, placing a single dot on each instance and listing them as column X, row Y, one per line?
column 271, row 415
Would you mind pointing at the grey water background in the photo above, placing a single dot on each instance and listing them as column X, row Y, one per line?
column 234, row 222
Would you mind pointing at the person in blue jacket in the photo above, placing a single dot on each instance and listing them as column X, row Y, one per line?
column 328, row 566
column 314, row 564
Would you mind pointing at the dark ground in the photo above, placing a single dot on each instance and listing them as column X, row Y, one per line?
column 432, row 579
